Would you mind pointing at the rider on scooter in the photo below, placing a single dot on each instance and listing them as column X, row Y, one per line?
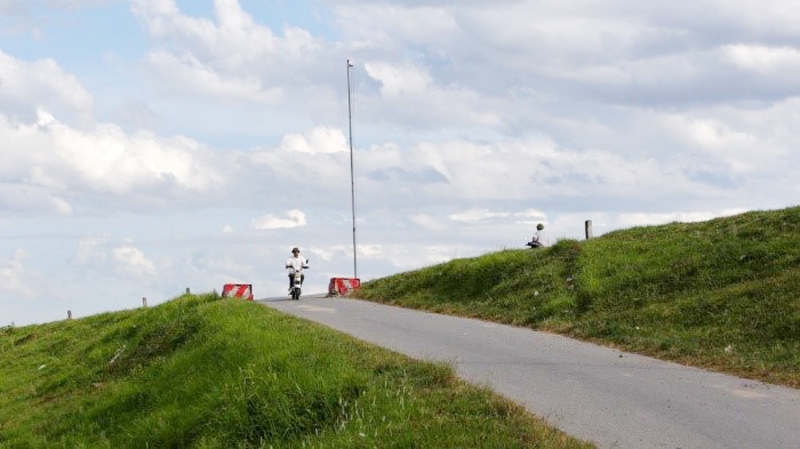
column 296, row 263
column 535, row 242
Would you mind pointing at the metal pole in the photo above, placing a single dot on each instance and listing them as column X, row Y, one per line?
column 352, row 169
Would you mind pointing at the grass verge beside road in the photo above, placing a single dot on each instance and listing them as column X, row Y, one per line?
column 722, row 294
column 199, row 372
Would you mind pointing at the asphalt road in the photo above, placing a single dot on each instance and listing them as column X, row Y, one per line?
column 615, row 399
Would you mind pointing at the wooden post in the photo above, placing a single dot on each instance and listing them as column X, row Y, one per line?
column 588, row 229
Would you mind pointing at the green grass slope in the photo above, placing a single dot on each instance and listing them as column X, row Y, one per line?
column 200, row 372
column 722, row 294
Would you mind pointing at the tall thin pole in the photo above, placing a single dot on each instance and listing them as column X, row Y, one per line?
column 352, row 169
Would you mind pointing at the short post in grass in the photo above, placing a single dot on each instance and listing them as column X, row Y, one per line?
column 588, row 229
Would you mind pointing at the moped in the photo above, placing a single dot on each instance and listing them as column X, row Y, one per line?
column 297, row 282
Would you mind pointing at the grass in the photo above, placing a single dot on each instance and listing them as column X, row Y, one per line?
column 722, row 295
column 200, row 372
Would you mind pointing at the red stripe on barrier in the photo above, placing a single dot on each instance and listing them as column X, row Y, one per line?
column 244, row 291
column 343, row 286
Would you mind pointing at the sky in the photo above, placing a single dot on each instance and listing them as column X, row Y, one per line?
column 150, row 146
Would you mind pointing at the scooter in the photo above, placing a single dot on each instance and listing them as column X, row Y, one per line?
column 297, row 282
column 534, row 243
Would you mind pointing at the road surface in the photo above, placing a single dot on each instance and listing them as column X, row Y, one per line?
column 615, row 399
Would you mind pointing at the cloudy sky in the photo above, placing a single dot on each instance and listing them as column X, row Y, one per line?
column 153, row 145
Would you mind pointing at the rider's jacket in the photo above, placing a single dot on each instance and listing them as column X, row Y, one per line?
column 296, row 263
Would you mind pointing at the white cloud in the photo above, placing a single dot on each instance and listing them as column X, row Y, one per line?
column 323, row 253
column 399, row 80
column 230, row 59
column 188, row 75
column 783, row 62
column 293, row 219
column 521, row 169
column 409, row 94
column 412, row 255
column 17, row 280
column 428, row 222
column 742, row 142
column 713, row 136
column 628, row 220
column 90, row 250
column 60, row 161
column 27, row 86
column 486, row 216
column 381, row 25
column 774, row 18
column 475, row 215
column 319, row 140
column 131, row 260
column 62, row 206
column 318, row 158
column 32, row 198
column 532, row 216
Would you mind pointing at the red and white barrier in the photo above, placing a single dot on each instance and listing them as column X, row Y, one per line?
column 243, row 291
column 343, row 286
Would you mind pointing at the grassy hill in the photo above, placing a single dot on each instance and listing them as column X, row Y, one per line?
column 722, row 294
column 200, row 372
